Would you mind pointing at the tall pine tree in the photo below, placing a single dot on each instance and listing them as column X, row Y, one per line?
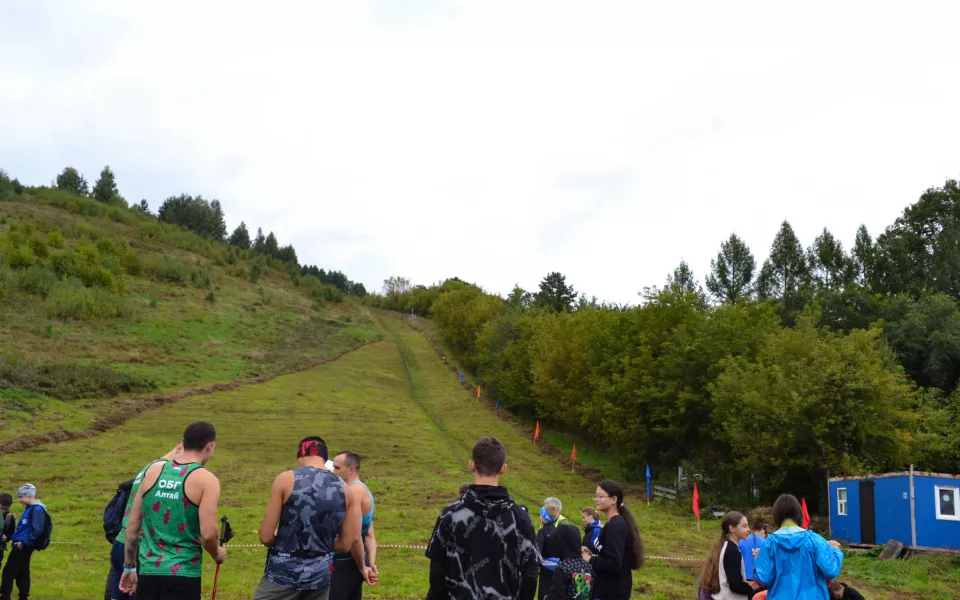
column 732, row 272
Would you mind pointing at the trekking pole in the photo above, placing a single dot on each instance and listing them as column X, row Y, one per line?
column 226, row 533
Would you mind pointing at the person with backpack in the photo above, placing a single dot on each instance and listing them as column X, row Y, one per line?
column 8, row 523
column 573, row 577
column 33, row 533
column 117, row 515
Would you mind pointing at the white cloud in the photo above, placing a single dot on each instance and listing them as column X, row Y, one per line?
column 494, row 141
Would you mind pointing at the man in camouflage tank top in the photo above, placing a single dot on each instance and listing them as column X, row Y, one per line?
column 305, row 521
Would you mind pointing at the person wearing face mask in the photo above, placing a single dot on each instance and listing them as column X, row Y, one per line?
column 619, row 548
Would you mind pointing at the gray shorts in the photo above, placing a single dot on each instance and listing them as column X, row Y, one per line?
column 269, row 591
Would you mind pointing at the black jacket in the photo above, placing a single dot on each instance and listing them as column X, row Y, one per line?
column 612, row 567
column 483, row 546
column 733, row 568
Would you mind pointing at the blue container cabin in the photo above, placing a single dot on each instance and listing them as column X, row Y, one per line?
column 918, row 509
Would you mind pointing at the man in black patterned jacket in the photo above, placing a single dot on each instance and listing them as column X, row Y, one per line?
column 484, row 545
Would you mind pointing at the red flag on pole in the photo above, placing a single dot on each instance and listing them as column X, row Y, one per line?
column 573, row 455
column 478, row 392
column 806, row 515
column 696, row 502
column 536, row 432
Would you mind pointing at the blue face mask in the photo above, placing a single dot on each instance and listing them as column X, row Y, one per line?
column 546, row 516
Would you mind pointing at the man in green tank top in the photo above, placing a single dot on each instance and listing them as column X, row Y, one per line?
column 116, row 552
column 175, row 513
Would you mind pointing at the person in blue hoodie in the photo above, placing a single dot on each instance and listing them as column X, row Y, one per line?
column 591, row 528
column 29, row 528
column 794, row 563
column 750, row 547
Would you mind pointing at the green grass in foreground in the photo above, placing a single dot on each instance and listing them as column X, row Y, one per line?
column 399, row 407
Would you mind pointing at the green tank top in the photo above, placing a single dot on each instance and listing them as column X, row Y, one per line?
column 170, row 543
column 121, row 537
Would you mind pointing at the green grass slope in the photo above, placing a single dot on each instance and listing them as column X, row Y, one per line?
column 396, row 404
column 98, row 304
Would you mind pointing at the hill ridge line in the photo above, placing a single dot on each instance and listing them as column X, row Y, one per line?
column 132, row 407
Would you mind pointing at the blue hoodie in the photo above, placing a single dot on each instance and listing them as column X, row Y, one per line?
column 795, row 564
column 30, row 525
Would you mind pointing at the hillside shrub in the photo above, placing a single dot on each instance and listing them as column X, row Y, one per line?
column 163, row 268
column 37, row 280
column 131, row 262
column 39, row 248
column 55, row 239
column 71, row 300
column 71, row 382
column 16, row 255
column 106, row 245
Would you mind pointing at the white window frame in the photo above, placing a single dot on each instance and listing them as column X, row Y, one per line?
column 938, row 489
column 842, row 502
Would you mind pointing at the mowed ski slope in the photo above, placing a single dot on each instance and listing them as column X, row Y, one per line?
column 393, row 402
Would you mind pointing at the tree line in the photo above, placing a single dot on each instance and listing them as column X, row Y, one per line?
column 766, row 378
column 195, row 213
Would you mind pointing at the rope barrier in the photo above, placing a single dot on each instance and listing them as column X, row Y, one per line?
column 417, row 547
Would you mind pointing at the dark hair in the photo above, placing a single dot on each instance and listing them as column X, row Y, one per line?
column 589, row 510
column 787, row 507
column 6, row 499
column 352, row 459
column 835, row 586
column 198, row 435
column 312, row 446
column 759, row 524
column 613, row 489
column 710, row 576
column 489, row 456
column 569, row 536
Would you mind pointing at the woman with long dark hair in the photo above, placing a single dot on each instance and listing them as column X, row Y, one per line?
column 723, row 576
column 619, row 548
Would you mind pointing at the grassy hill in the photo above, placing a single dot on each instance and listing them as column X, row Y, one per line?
column 396, row 404
column 115, row 376
column 99, row 303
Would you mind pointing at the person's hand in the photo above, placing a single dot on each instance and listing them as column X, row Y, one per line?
column 376, row 571
column 585, row 553
column 3, row 539
column 370, row 576
column 835, row 545
column 128, row 582
column 221, row 555
column 756, row 551
column 18, row 545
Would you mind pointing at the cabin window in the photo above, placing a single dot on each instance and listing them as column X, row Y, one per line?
column 947, row 503
column 842, row 501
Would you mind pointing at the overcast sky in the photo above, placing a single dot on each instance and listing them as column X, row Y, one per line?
column 495, row 141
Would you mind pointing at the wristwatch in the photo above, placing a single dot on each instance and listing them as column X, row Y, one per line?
column 130, row 565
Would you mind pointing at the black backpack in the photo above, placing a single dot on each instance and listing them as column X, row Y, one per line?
column 113, row 513
column 43, row 540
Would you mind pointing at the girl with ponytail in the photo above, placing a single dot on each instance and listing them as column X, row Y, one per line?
column 723, row 575
column 619, row 548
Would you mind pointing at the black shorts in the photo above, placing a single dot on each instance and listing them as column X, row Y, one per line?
column 168, row 587
column 347, row 581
